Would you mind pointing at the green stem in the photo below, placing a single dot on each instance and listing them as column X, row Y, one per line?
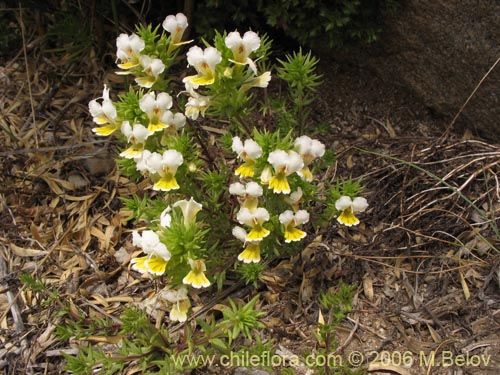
column 245, row 126
column 198, row 138
column 300, row 112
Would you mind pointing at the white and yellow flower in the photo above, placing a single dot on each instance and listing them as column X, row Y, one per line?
column 290, row 221
column 197, row 104
column 180, row 303
column 248, row 152
column 284, row 164
column 104, row 114
column 196, row 277
column 155, row 262
column 151, row 70
column 156, row 108
column 348, row 207
column 255, row 220
column 242, row 47
column 266, row 175
column 136, row 135
column 261, row 81
column 165, row 166
column 174, row 121
column 251, row 253
column 308, row 149
column 189, row 210
column 141, row 162
column 248, row 194
column 294, row 199
column 176, row 25
column 128, row 51
column 204, row 61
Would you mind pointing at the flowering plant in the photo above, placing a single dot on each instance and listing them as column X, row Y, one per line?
column 220, row 189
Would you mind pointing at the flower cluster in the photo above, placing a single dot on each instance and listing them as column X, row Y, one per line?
column 213, row 71
column 147, row 68
column 145, row 119
column 273, row 174
column 158, row 256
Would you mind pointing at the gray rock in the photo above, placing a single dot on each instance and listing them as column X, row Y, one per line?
column 440, row 50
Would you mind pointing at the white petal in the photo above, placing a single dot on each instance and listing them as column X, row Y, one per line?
column 165, row 217
column 237, row 188
column 105, row 93
column 157, row 67
column 294, row 162
column 136, row 43
column 195, row 56
column 277, row 158
column 286, row 217
column 254, row 189
column 147, row 103
column 179, row 120
column 343, row 203
column 261, row 81
column 136, row 239
column 317, row 148
column 303, row 144
column 170, row 24
column 140, row 163
column 233, row 40
column 149, row 241
column 145, row 61
column 164, row 101
column 122, row 42
column 121, row 55
column 95, row 108
column 141, row 133
column 212, row 57
column 359, row 204
column 266, row 175
column 109, row 109
column 192, row 113
column 162, row 251
column 190, row 86
column 244, row 216
column 301, row 217
column 126, row 129
column 261, row 214
column 182, row 20
column 237, row 145
column 295, row 196
column 189, row 209
column 253, row 149
column 154, row 162
column 167, row 117
column 172, row 158
column 174, row 295
column 240, row 233
column 251, row 41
